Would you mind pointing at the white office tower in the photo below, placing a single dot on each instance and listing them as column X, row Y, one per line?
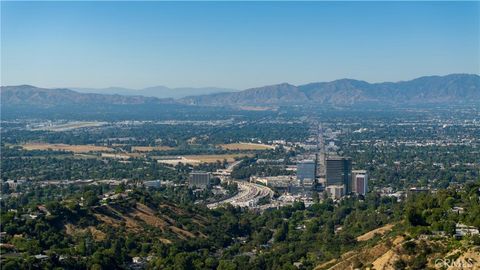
column 360, row 182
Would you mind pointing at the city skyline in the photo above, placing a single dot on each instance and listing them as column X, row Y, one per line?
column 234, row 45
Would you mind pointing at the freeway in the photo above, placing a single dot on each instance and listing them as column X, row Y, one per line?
column 248, row 195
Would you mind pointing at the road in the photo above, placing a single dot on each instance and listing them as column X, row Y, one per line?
column 321, row 152
column 233, row 165
column 248, row 195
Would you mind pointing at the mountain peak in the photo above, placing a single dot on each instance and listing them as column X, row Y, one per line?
column 429, row 89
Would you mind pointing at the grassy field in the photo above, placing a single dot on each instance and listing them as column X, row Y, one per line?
column 246, row 146
column 151, row 148
column 66, row 147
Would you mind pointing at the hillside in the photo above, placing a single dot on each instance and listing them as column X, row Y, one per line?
column 454, row 88
column 138, row 217
column 31, row 95
column 406, row 252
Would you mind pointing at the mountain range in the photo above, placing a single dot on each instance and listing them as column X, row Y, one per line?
column 156, row 91
column 454, row 88
column 431, row 89
column 31, row 95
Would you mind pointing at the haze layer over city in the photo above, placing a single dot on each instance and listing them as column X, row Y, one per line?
column 240, row 135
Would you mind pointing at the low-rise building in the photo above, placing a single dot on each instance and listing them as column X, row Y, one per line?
column 157, row 183
column 462, row 230
column 13, row 184
column 335, row 191
column 458, row 210
column 199, row 179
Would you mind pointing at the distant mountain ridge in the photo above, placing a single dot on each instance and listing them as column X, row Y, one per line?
column 31, row 95
column 157, row 91
column 454, row 88
column 430, row 89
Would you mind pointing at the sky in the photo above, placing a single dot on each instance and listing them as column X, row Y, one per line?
column 234, row 44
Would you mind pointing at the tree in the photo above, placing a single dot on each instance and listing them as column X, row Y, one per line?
column 414, row 217
column 226, row 265
column 90, row 198
column 281, row 233
column 399, row 264
column 5, row 188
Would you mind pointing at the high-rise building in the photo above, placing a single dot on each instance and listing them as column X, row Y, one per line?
column 339, row 172
column 199, row 179
column 360, row 182
column 306, row 171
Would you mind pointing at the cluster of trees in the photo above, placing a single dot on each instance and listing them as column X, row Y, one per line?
column 404, row 166
column 425, row 212
column 445, row 153
column 228, row 237
column 109, row 112
column 57, row 165
column 250, row 167
column 175, row 135
column 276, row 238
column 70, row 168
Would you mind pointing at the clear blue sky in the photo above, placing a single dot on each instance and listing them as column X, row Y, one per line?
column 234, row 44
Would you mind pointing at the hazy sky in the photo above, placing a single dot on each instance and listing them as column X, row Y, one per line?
column 238, row 45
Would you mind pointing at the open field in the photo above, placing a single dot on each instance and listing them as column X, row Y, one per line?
column 65, row 147
column 246, row 146
column 151, row 148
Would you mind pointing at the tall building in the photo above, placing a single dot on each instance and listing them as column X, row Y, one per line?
column 306, row 171
column 339, row 172
column 199, row 179
column 360, row 182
